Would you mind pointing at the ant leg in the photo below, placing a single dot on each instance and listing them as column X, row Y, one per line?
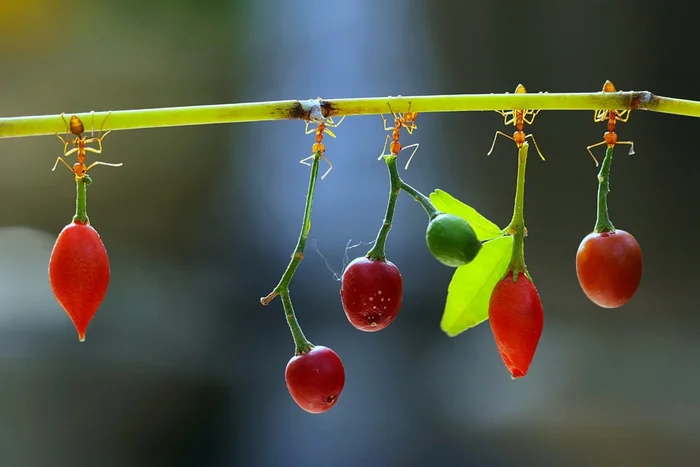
column 532, row 114
column 532, row 137
column 65, row 122
column 386, row 141
column 97, row 140
column 506, row 114
column 386, row 128
column 103, row 123
column 64, row 163
column 71, row 152
column 410, row 127
column 495, row 138
column 626, row 117
column 333, row 124
column 65, row 144
column 631, row 145
column 600, row 115
column 102, row 163
column 591, row 152
column 397, row 115
column 306, row 130
column 329, row 168
column 329, row 132
column 304, row 161
column 410, row 158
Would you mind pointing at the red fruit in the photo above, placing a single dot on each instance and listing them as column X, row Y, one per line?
column 79, row 273
column 315, row 379
column 609, row 267
column 371, row 292
column 516, row 317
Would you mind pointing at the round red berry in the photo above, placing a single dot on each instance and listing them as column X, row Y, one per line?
column 371, row 292
column 516, row 318
column 609, row 267
column 79, row 273
column 315, row 379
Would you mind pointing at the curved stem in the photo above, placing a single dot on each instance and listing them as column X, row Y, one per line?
column 420, row 197
column 298, row 254
column 318, row 109
column 378, row 251
column 603, row 223
column 516, row 228
column 301, row 343
column 81, row 184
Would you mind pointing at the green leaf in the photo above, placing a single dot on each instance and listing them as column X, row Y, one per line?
column 472, row 284
column 484, row 228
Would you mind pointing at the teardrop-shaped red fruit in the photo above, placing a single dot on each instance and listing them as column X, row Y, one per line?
column 371, row 292
column 315, row 379
column 79, row 273
column 516, row 318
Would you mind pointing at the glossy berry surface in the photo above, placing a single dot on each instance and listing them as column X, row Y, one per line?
column 79, row 273
column 609, row 267
column 451, row 240
column 516, row 318
column 371, row 292
column 315, row 379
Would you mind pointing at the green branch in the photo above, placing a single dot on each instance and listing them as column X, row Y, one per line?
column 298, row 254
column 318, row 109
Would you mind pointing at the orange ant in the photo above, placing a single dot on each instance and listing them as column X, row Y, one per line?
column 612, row 116
column 407, row 121
column 318, row 145
column 517, row 117
column 76, row 128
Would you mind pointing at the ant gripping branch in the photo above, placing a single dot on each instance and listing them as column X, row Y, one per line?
column 318, row 145
column 612, row 116
column 76, row 128
column 517, row 117
column 407, row 121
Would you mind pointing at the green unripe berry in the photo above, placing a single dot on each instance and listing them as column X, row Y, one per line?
column 452, row 240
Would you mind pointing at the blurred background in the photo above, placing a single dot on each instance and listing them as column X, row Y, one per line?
column 183, row 367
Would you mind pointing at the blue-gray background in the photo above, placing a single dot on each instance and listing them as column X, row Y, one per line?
column 183, row 367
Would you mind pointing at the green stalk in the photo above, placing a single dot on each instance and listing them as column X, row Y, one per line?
column 282, row 288
column 516, row 228
column 378, row 251
column 81, row 184
column 418, row 196
column 603, row 223
column 301, row 343
column 317, row 109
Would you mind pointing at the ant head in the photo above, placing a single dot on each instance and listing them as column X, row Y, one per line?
column 410, row 116
column 76, row 126
column 608, row 86
column 520, row 89
column 79, row 169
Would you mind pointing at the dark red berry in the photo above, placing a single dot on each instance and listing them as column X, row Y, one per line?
column 609, row 267
column 371, row 292
column 315, row 379
column 516, row 317
column 79, row 273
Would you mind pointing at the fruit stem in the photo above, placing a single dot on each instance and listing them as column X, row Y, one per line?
column 301, row 343
column 298, row 254
column 603, row 223
column 81, row 184
column 378, row 251
column 417, row 195
column 516, row 228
